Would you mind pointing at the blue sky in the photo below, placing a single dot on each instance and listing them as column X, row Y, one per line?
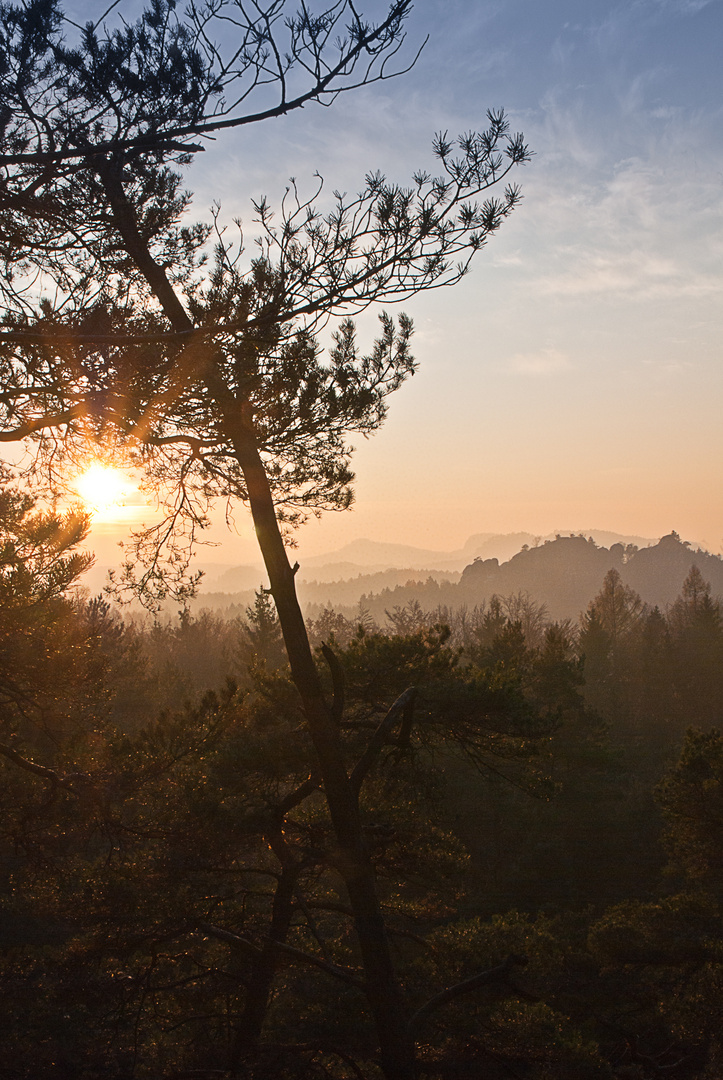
column 574, row 380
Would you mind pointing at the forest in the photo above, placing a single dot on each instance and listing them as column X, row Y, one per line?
column 482, row 841
column 542, row 802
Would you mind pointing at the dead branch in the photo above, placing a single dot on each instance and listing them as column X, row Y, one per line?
column 499, row 974
column 404, row 702
column 248, row 946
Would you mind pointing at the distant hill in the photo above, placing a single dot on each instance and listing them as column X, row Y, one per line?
column 346, row 593
column 234, row 579
column 658, row 572
column 564, row 573
column 373, row 556
column 567, row 572
column 376, row 555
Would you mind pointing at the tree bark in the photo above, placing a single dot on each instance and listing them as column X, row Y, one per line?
column 352, row 860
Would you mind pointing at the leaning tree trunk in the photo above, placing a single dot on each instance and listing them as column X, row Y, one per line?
column 382, row 987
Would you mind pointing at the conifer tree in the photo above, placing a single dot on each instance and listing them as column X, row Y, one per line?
column 209, row 377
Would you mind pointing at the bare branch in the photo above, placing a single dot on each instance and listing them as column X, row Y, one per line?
column 294, row 798
column 236, row 941
column 315, row 961
column 499, row 974
column 380, row 737
column 245, row 944
column 326, row 84
column 48, row 420
column 77, row 784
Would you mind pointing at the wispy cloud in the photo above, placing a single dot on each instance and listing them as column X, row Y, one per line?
column 542, row 362
column 635, row 275
column 684, row 7
column 641, row 224
column 623, row 20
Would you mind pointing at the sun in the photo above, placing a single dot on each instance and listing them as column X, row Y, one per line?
column 102, row 488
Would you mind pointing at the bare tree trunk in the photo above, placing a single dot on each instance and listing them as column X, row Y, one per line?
column 353, row 862
column 382, row 988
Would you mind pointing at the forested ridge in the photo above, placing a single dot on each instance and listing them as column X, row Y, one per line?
column 561, row 573
column 542, row 808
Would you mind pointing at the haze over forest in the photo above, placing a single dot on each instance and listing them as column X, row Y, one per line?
column 561, row 573
column 409, row 806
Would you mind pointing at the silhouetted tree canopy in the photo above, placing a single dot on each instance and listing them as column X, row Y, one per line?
column 127, row 328
column 122, row 327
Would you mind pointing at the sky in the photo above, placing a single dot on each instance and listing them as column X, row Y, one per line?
column 574, row 379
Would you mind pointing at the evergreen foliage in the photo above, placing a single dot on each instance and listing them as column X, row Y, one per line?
column 170, row 884
column 289, row 872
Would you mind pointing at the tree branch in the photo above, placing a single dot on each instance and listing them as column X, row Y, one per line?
column 371, row 41
column 65, row 781
column 308, row 787
column 403, row 703
column 235, row 940
column 499, row 974
column 246, row 945
column 50, row 775
column 316, row 961
column 31, row 427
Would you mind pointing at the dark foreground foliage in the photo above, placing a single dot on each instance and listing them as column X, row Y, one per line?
column 170, row 894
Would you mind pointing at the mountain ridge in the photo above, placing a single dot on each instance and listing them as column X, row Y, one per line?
column 378, row 555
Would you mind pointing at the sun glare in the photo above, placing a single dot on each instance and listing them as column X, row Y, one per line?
column 103, row 488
